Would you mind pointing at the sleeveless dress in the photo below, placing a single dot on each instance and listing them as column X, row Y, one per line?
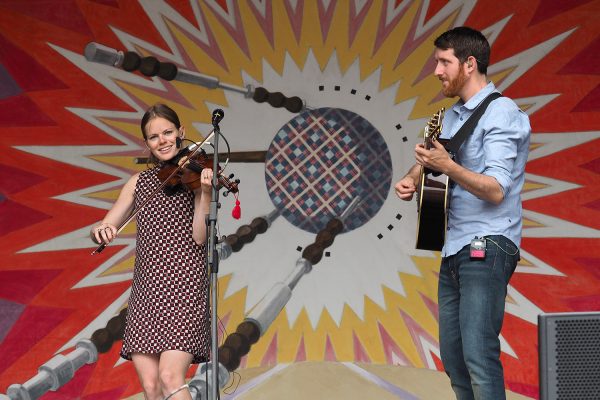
column 168, row 306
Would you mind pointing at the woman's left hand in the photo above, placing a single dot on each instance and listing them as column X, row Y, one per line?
column 206, row 180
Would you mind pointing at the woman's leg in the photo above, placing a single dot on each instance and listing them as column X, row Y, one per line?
column 146, row 366
column 173, row 366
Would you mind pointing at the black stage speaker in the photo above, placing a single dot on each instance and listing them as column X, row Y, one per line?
column 569, row 356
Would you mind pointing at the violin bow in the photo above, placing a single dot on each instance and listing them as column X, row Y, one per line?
column 158, row 189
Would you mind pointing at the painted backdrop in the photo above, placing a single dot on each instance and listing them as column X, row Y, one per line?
column 347, row 87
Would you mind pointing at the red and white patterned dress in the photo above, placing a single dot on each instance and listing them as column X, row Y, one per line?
column 168, row 307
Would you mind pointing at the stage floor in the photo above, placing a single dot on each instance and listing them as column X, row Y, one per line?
column 335, row 380
column 349, row 381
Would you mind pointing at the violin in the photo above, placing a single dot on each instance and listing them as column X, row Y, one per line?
column 175, row 177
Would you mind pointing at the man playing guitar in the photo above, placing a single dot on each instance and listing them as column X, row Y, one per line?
column 480, row 250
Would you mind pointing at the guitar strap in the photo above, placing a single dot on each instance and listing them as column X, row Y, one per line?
column 468, row 127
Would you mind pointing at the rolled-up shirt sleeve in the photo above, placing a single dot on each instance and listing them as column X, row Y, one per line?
column 505, row 131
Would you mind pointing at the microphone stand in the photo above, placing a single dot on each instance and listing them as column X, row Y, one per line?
column 213, row 256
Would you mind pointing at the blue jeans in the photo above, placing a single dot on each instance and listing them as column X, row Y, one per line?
column 471, row 296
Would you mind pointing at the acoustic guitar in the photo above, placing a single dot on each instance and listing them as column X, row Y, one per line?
column 432, row 194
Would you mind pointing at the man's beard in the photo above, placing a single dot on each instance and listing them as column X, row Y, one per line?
column 455, row 85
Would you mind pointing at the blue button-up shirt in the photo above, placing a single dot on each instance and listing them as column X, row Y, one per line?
column 498, row 147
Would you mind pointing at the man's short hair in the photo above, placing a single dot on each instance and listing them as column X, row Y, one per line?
column 466, row 42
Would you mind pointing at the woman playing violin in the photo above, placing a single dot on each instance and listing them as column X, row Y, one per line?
column 167, row 326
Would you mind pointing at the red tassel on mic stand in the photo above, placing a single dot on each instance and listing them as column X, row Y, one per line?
column 237, row 211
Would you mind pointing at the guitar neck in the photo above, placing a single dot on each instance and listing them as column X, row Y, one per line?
column 429, row 141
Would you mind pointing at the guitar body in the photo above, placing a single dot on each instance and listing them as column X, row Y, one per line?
column 432, row 200
column 432, row 206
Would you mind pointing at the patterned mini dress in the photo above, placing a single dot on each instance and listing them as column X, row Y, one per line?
column 168, row 306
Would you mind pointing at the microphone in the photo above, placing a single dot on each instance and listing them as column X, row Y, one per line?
column 217, row 116
column 99, row 53
column 96, row 52
column 148, row 66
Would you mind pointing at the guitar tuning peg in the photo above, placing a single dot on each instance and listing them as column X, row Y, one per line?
column 231, row 176
column 237, row 181
column 225, row 193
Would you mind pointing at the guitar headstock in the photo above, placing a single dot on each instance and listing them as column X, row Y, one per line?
column 433, row 129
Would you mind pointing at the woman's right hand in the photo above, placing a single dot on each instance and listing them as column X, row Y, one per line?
column 103, row 233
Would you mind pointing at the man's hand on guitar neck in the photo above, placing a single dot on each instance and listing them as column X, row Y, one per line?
column 435, row 158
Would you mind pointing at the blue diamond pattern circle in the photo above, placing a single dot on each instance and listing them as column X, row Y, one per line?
column 332, row 157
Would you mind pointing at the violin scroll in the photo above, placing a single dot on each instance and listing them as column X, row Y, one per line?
column 233, row 185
